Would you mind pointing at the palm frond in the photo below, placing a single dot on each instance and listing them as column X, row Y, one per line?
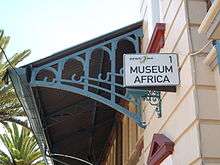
column 4, row 40
column 20, row 122
column 10, row 106
column 22, row 145
column 5, row 159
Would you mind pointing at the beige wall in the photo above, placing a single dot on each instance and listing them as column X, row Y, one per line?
column 210, row 127
column 217, row 82
column 191, row 116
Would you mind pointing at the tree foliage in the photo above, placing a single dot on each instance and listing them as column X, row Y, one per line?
column 21, row 145
column 10, row 107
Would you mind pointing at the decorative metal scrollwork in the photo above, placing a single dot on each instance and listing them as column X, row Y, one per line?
column 154, row 98
column 89, row 74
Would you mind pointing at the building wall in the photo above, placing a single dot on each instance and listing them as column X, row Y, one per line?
column 210, row 127
column 191, row 115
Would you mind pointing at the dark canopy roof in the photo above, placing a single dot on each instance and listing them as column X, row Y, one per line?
column 75, row 124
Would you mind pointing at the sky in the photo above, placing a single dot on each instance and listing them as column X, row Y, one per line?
column 48, row 26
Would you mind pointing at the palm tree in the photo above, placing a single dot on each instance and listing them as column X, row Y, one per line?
column 21, row 145
column 10, row 107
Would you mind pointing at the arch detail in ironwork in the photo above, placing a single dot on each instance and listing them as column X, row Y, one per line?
column 88, row 78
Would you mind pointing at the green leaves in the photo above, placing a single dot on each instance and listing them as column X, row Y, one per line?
column 5, row 159
column 10, row 107
column 21, row 145
column 4, row 40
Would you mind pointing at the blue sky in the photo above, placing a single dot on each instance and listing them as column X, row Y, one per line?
column 48, row 26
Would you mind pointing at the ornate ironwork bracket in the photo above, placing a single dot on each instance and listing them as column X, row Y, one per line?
column 82, row 73
column 152, row 97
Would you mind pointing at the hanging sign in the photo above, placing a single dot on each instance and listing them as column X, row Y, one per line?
column 151, row 70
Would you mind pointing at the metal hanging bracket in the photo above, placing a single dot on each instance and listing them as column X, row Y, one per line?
column 154, row 99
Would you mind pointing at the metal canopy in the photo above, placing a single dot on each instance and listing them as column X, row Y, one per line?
column 96, row 68
column 72, row 96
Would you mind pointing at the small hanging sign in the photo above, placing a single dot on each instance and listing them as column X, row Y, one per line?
column 151, row 70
